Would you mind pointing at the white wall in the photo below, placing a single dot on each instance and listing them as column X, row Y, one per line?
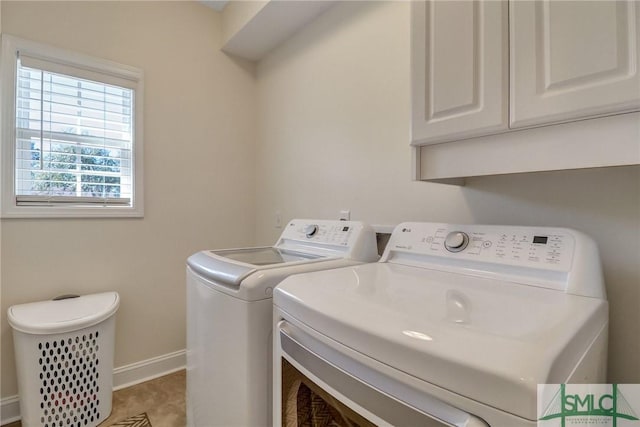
column 333, row 108
column 199, row 143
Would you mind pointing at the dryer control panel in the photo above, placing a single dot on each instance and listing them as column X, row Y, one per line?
column 547, row 248
column 556, row 258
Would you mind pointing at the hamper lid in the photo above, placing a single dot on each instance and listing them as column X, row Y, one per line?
column 65, row 315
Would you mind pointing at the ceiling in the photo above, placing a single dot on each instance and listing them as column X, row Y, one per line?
column 215, row 4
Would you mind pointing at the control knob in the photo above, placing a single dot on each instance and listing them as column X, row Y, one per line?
column 310, row 230
column 456, row 241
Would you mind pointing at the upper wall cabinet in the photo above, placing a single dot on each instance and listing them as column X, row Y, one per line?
column 460, row 74
column 573, row 59
column 504, row 87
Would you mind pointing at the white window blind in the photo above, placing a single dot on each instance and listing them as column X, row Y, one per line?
column 74, row 135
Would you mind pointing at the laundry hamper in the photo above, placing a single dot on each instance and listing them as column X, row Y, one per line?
column 64, row 359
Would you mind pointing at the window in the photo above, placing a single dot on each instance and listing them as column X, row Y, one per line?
column 71, row 139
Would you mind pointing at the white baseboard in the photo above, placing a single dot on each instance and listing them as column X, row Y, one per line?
column 145, row 370
column 9, row 409
column 123, row 376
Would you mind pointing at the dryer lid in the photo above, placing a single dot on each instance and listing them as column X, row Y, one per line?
column 482, row 338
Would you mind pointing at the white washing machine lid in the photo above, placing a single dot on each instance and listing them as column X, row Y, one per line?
column 486, row 339
column 302, row 242
column 231, row 266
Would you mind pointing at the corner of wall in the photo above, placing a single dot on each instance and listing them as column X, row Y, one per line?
column 237, row 14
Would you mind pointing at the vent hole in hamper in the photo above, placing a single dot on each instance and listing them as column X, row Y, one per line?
column 61, row 412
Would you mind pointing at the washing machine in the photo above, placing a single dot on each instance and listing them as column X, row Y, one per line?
column 456, row 325
column 229, row 315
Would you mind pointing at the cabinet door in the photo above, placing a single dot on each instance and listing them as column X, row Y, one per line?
column 573, row 59
column 458, row 70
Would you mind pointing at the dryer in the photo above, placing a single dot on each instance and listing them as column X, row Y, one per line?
column 229, row 315
column 456, row 325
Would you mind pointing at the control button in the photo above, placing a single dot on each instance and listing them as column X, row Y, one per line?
column 310, row 230
column 487, row 243
column 456, row 241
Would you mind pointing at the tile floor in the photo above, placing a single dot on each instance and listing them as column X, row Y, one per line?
column 163, row 399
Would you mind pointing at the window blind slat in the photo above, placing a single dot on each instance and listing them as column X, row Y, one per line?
column 29, row 94
column 53, row 66
column 47, row 200
column 81, row 140
column 78, row 124
column 84, row 172
column 36, row 155
column 110, row 116
column 69, row 185
column 110, row 92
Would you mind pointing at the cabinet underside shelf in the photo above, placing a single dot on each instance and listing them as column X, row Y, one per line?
column 593, row 143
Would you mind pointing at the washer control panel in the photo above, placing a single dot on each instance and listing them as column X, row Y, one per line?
column 535, row 247
column 456, row 241
column 323, row 232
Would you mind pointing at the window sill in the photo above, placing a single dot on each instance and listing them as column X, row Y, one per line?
column 72, row 212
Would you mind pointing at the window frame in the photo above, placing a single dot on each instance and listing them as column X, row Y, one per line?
column 9, row 208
